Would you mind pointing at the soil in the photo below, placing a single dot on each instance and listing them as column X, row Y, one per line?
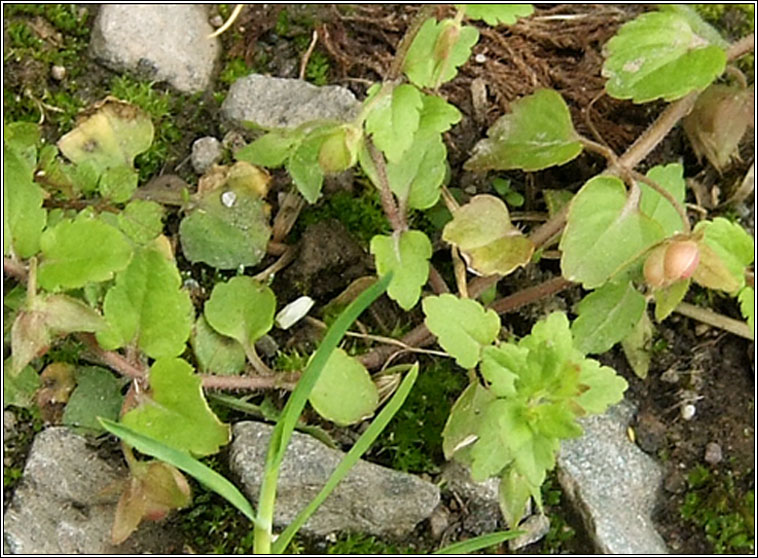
column 560, row 49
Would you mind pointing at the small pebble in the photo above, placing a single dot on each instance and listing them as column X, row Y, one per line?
column 480, row 58
column 688, row 411
column 267, row 345
column 233, row 141
column 670, row 376
column 439, row 520
column 675, row 483
column 58, row 73
column 216, row 21
column 206, row 152
column 228, row 198
column 536, row 527
column 713, row 453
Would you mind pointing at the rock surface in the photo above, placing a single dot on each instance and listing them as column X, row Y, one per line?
column 613, row 484
column 370, row 499
column 64, row 506
column 480, row 498
column 274, row 102
column 162, row 42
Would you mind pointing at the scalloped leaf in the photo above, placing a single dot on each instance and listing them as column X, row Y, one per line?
column 344, row 392
column 462, row 326
column 148, row 307
column 23, row 214
column 604, row 233
column 537, row 134
column 490, row 244
column 242, row 309
column 141, row 221
column 606, row 316
column 659, row 55
column 495, row 14
column 731, row 244
column 394, row 119
column 407, row 255
column 606, row 388
column 175, row 411
column 670, row 178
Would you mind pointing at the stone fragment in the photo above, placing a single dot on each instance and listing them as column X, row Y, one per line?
column 161, row 42
column 66, row 502
column 480, row 498
column 713, row 453
column 612, row 484
column 206, row 152
column 273, row 102
column 535, row 527
column 370, row 499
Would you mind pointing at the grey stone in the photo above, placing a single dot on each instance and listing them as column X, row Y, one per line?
column 206, row 152
column 713, row 453
column 274, row 102
column 613, row 484
column 65, row 503
column 9, row 426
column 535, row 527
column 370, row 499
column 162, row 42
column 481, row 498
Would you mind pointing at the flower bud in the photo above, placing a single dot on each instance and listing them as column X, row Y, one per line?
column 671, row 262
column 653, row 270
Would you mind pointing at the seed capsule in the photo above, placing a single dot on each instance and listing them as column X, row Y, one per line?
column 671, row 262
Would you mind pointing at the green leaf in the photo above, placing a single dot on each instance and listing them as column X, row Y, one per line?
column 344, row 392
column 270, row 150
column 500, row 366
column 229, row 226
column 19, row 390
column 77, row 252
column 536, row 135
column 668, row 298
column 514, row 493
column 394, row 119
column 179, row 459
column 407, row 255
column 606, row 388
column 746, row 298
column 339, row 151
column 503, row 431
column 636, row 346
column 141, row 221
column 23, row 215
column 494, row 14
column 175, row 411
column 670, row 178
column 659, row 55
column 216, row 353
column 303, row 166
column 604, row 233
column 490, row 244
column 23, row 138
column 97, row 394
column 147, row 306
column 118, row 183
column 733, row 245
column 437, row 115
column 111, row 136
column 606, row 316
column 242, row 309
column 462, row 424
column 462, row 326
column 469, row 546
column 438, row 49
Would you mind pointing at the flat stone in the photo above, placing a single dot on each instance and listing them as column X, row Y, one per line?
column 65, row 503
column 612, row 484
column 161, row 42
column 274, row 102
column 370, row 499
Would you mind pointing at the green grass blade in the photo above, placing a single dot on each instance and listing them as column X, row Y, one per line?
column 181, row 460
column 477, row 543
column 351, row 458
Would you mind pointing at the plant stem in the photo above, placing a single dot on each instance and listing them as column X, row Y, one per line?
column 436, row 282
column 639, row 177
column 249, row 383
column 405, row 43
column 112, row 359
column 396, row 219
column 15, row 269
column 714, row 319
column 529, row 295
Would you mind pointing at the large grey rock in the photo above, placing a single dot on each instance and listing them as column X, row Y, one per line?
column 370, row 499
column 287, row 103
column 613, row 484
column 163, row 42
column 65, row 503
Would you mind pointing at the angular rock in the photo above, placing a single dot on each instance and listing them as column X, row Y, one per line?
column 613, row 484
column 162, row 42
column 370, row 499
column 65, row 503
column 273, row 102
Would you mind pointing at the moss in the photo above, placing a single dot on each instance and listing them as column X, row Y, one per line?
column 317, row 69
column 359, row 543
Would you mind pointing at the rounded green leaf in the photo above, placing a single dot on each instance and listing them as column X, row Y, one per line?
column 23, row 214
column 537, row 134
column 214, row 352
column 482, row 229
column 303, row 166
column 77, row 252
column 659, row 55
column 407, row 255
column 606, row 316
column 270, row 150
column 394, row 119
column 462, row 326
column 97, row 394
column 463, row 422
column 670, row 178
column 148, row 306
column 604, row 233
column 175, row 411
column 242, row 309
column 118, row 183
column 141, row 220
column 344, row 392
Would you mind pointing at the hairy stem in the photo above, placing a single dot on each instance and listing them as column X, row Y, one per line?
column 396, row 219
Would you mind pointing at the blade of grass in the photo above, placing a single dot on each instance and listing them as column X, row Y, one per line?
column 351, row 458
column 183, row 461
column 294, row 407
column 477, row 543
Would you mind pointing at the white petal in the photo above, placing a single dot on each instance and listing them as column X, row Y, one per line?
column 294, row 312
